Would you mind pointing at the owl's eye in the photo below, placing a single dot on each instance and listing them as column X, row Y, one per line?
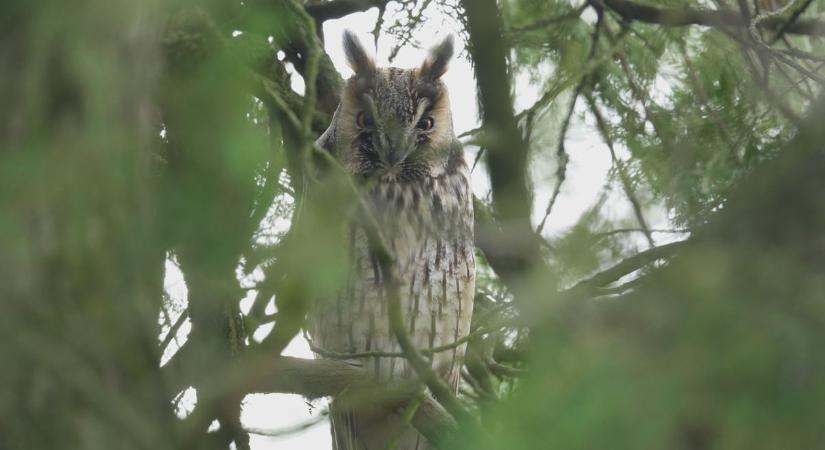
column 426, row 123
column 362, row 120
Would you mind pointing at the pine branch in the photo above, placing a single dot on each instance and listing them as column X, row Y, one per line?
column 561, row 154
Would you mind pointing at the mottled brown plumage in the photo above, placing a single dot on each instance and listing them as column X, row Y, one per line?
column 394, row 127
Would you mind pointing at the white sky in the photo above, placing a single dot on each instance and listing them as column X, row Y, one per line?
column 586, row 176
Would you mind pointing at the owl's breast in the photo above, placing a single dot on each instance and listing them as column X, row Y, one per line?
column 428, row 225
column 431, row 206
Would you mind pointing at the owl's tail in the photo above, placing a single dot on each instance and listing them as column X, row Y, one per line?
column 372, row 430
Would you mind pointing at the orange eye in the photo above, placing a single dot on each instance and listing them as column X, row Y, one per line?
column 425, row 123
column 362, row 120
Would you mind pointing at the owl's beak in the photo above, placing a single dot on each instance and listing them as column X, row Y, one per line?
column 396, row 142
column 393, row 157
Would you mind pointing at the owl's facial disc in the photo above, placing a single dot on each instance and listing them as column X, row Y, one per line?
column 393, row 139
column 393, row 123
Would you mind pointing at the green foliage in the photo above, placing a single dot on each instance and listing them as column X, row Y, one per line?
column 135, row 133
column 714, row 354
column 706, row 126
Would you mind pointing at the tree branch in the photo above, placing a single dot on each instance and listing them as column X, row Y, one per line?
column 561, row 153
column 323, row 378
column 547, row 21
column 378, row 354
column 609, row 233
column 173, row 330
column 506, row 153
column 624, row 177
column 625, row 267
column 630, row 10
column 337, row 9
column 791, row 20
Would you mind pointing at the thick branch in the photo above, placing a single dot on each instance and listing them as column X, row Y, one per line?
column 624, row 177
column 337, row 9
column 630, row 10
column 506, row 152
column 343, row 380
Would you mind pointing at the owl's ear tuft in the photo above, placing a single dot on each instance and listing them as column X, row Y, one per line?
column 436, row 63
column 356, row 55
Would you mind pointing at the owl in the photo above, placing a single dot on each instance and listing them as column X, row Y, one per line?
column 393, row 131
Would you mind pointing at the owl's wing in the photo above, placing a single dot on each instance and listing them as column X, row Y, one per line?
column 327, row 140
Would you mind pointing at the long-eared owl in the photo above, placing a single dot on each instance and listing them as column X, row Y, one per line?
column 394, row 128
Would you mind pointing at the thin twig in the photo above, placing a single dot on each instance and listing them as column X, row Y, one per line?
column 636, row 90
column 271, row 89
column 500, row 370
column 721, row 126
column 546, row 21
column 561, row 159
column 173, row 331
column 477, row 159
column 601, row 124
column 379, row 354
column 791, row 20
column 798, row 82
column 563, row 83
column 638, row 230
column 291, row 429
column 561, row 154
column 770, row 95
column 625, row 267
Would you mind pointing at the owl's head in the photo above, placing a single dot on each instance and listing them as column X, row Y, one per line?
column 394, row 124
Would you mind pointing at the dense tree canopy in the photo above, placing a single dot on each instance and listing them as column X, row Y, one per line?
column 135, row 136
